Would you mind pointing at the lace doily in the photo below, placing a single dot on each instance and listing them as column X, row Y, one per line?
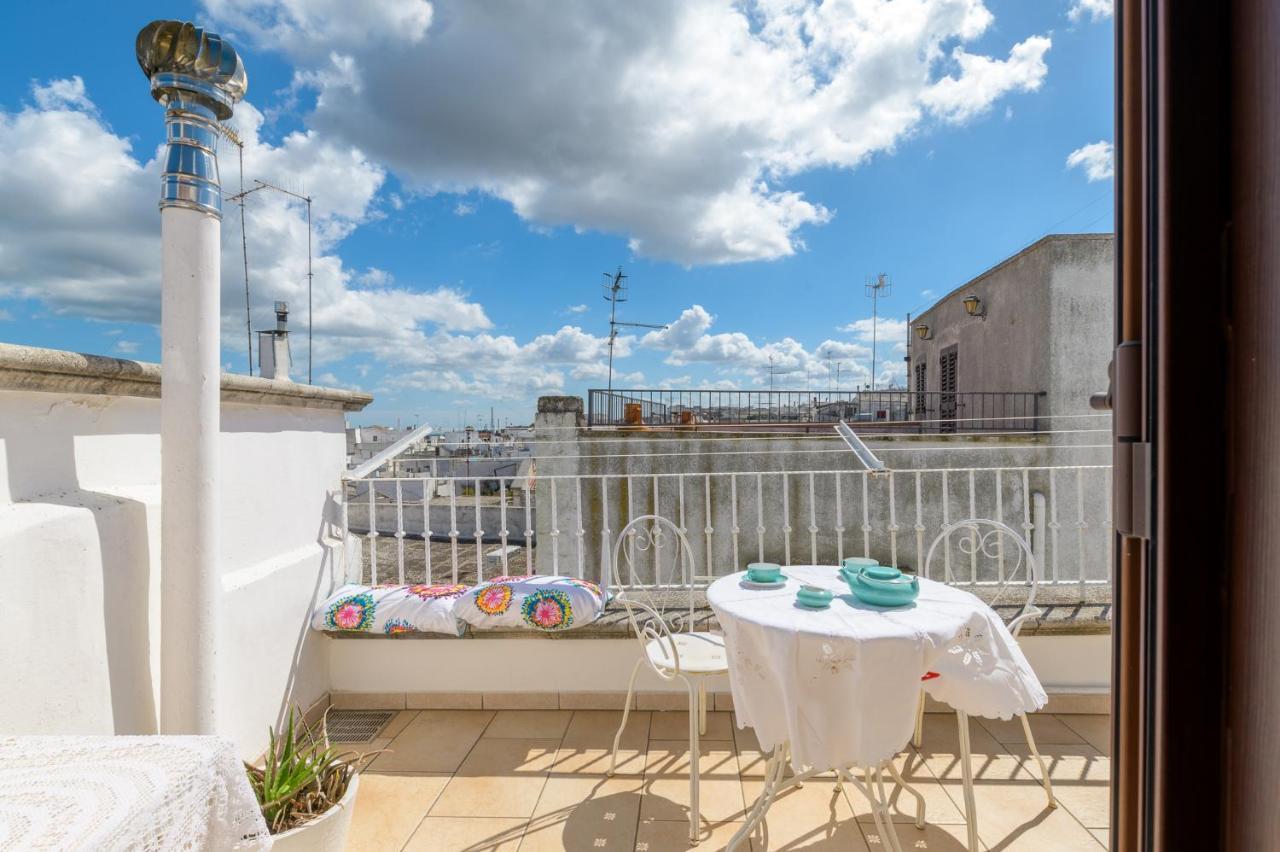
column 143, row 793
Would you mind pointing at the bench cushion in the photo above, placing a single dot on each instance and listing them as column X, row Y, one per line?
column 532, row 602
column 391, row 610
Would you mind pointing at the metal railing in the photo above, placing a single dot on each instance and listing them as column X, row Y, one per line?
column 890, row 410
column 454, row 529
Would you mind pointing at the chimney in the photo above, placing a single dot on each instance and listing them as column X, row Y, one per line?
column 198, row 78
column 274, row 359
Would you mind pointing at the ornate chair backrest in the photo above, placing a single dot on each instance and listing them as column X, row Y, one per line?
column 983, row 537
column 648, row 602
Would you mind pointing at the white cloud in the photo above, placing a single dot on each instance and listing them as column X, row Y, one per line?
column 577, row 309
column 126, row 347
column 6, row 316
column 81, row 232
column 694, row 115
column 1096, row 159
column 1095, row 10
column 464, row 208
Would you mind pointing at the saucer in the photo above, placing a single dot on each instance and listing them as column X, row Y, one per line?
column 748, row 583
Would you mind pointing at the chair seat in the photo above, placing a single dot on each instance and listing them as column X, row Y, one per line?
column 700, row 653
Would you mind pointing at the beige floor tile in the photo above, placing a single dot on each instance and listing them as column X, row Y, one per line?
column 433, row 741
column 1015, row 816
column 667, row 836
column 815, row 816
column 666, row 782
column 1081, row 780
column 1047, row 730
column 1096, row 730
column 674, row 725
column 585, row 813
column 1102, row 835
column 389, row 809
column 529, row 724
column 934, row 838
column 365, row 747
column 398, row 723
column 463, row 834
column 598, row 727
column 499, row 778
column 581, row 760
column 938, row 807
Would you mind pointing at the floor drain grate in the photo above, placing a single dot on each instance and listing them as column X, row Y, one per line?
column 356, row 726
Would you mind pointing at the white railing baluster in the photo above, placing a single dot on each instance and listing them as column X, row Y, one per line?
column 502, row 522
column 555, row 531
column 428, row 491
column 400, row 531
column 606, row 540
column 707, row 527
column 786, row 518
column 946, row 519
column 919, row 527
column 346, row 528
column 839, row 523
column 1053, row 525
column 581, row 531
column 372, row 534
column 631, row 535
column 1108, row 529
column 453, row 525
column 1000, row 518
column 479, row 536
column 735, row 529
column 760, row 515
column 973, row 535
column 657, row 510
column 813, row 523
column 866, row 518
column 893, row 524
column 1027, row 526
column 530, row 553
column 1081, row 524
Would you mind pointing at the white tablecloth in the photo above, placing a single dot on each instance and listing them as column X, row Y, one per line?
column 144, row 793
column 841, row 684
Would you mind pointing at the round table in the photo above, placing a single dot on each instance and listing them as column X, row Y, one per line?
column 837, row 688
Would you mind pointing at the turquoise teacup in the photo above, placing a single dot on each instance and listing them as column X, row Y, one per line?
column 764, row 572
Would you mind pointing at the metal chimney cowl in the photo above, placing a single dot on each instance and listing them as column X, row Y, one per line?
column 199, row 78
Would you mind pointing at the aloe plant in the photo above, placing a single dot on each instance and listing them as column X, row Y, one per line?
column 301, row 776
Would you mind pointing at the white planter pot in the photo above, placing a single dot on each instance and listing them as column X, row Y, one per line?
column 327, row 833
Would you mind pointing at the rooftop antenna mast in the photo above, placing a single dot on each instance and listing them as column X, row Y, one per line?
column 615, row 291
column 877, row 286
column 239, row 198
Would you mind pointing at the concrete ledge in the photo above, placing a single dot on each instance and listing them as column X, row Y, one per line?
column 1062, row 703
column 29, row 368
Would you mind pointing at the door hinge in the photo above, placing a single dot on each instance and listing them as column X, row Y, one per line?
column 1131, row 470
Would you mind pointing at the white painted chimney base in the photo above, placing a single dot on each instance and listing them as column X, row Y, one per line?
column 189, row 429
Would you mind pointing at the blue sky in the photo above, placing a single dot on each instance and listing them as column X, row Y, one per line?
column 475, row 173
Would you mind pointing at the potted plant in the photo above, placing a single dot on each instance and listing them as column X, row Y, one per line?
column 306, row 789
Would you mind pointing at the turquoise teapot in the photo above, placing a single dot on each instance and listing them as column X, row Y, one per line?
column 880, row 585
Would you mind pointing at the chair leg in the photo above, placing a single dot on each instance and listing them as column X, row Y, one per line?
column 626, row 713
column 918, row 738
column 1044, row 770
column 702, row 706
column 966, row 770
column 694, row 759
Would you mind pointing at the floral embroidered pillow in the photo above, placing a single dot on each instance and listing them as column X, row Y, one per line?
column 391, row 610
column 530, row 602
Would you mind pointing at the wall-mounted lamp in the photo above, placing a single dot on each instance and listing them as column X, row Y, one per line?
column 923, row 331
column 974, row 307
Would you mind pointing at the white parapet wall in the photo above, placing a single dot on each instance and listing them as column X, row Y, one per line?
column 80, row 544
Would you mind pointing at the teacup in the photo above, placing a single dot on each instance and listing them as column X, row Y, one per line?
column 764, row 572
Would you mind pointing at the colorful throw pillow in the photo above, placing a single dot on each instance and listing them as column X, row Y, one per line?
column 531, row 602
column 391, row 610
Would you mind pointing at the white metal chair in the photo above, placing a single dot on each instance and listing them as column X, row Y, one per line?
column 983, row 534
column 686, row 655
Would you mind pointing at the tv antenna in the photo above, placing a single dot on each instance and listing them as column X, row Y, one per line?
column 877, row 286
column 615, row 291
column 239, row 198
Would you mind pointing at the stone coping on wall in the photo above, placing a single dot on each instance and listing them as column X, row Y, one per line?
column 30, row 368
column 1064, row 612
